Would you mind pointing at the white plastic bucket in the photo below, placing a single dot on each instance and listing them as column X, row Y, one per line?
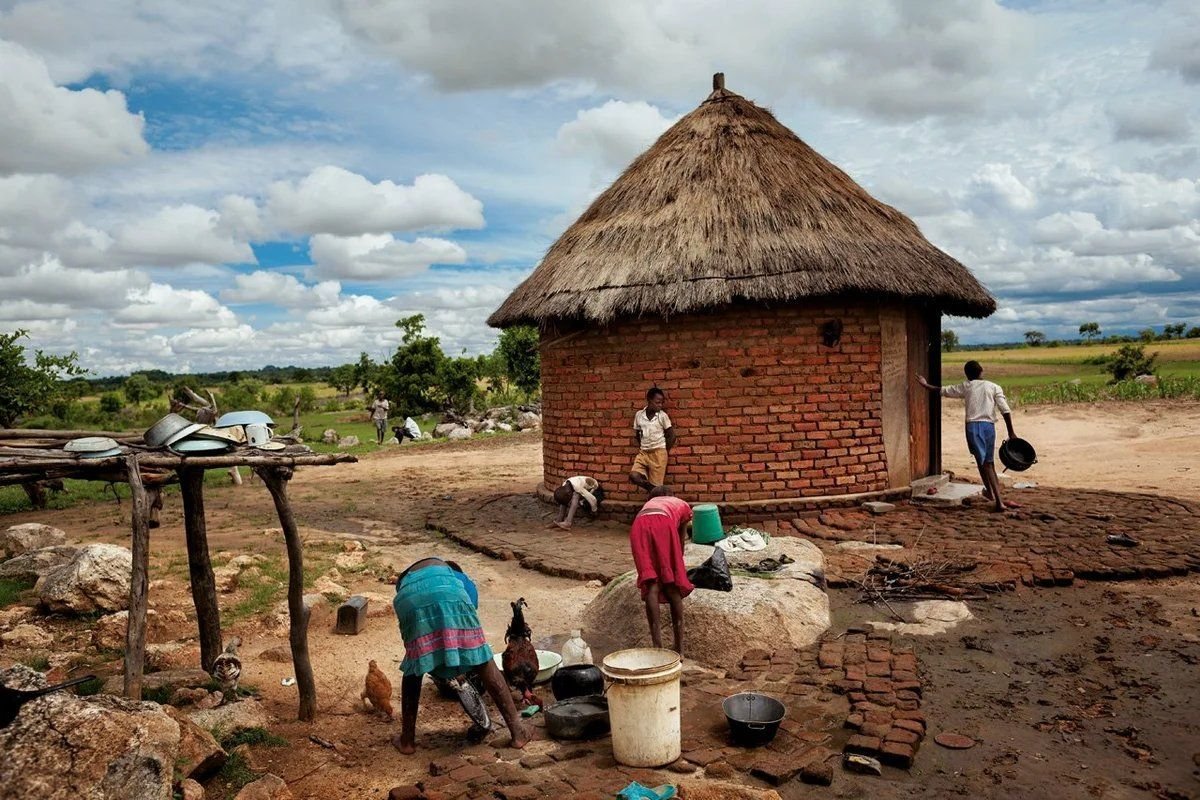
column 643, row 706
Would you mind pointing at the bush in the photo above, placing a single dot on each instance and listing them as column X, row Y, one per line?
column 1129, row 362
column 110, row 403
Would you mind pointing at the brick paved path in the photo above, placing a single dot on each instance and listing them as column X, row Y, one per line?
column 1057, row 537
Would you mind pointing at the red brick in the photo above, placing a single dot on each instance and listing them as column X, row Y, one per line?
column 897, row 754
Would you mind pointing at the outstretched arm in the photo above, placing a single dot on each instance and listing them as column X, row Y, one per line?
column 921, row 380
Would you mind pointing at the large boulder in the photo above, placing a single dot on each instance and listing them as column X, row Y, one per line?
column 347, row 442
column 29, row 637
column 527, row 420
column 199, row 753
column 96, row 579
column 330, row 436
column 29, row 536
column 443, row 429
column 787, row 609
column 64, row 747
column 268, row 787
column 459, row 433
column 31, row 566
column 109, row 632
column 166, row 679
column 232, row 718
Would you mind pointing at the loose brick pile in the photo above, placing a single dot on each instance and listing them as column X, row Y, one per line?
column 764, row 410
column 881, row 680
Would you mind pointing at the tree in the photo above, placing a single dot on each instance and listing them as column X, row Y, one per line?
column 456, row 383
column 30, row 387
column 343, row 379
column 949, row 341
column 1147, row 335
column 1174, row 331
column 1035, row 338
column 242, row 396
column 110, row 403
column 1194, row 332
column 412, row 375
column 518, row 348
column 138, row 389
column 1089, row 330
column 1129, row 362
column 365, row 372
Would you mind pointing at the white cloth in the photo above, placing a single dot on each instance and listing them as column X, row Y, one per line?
column 984, row 399
column 654, row 431
column 747, row 541
column 583, row 486
column 379, row 409
column 412, row 428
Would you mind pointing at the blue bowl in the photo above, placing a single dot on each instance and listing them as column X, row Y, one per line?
column 231, row 418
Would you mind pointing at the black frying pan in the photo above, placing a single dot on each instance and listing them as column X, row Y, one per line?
column 11, row 700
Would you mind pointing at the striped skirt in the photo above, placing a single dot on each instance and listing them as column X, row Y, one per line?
column 441, row 630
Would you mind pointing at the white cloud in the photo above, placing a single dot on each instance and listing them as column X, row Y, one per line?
column 17, row 311
column 46, row 128
column 163, row 305
column 336, row 201
column 213, row 340
column 280, row 289
column 1153, row 120
column 181, row 235
column 1178, row 50
column 614, row 133
column 996, row 184
column 375, row 258
column 49, row 281
column 354, row 310
column 1063, row 228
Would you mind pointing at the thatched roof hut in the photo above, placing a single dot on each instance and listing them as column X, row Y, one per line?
column 730, row 205
column 781, row 307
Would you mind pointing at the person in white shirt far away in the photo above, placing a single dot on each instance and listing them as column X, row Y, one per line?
column 983, row 400
column 654, row 437
column 379, row 414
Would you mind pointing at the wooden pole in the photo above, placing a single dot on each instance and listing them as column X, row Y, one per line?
column 276, row 479
column 204, row 585
column 135, row 637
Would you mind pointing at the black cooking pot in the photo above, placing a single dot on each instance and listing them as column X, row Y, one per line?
column 578, row 718
column 1017, row 454
column 576, row 680
column 753, row 718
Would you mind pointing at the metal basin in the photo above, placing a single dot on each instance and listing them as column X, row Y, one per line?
column 158, row 433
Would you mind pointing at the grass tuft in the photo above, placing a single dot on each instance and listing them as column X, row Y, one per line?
column 11, row 590
column 253, row 737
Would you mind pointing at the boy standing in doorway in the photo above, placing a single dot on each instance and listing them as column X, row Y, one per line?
column 983, row 400
column 654, row 436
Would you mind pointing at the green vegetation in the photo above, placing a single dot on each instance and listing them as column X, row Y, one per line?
column 13, row 498
column 11, row 591
column 160, row 694
column 25, row 387
column 38, row 663
column 89, row 688
column 253, row 737
column 235, row 774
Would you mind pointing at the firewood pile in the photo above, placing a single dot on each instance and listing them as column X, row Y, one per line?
column 920, row 578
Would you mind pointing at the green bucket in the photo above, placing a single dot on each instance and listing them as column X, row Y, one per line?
column 706, row 524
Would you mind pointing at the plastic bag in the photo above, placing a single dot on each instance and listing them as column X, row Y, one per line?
column 712, row 574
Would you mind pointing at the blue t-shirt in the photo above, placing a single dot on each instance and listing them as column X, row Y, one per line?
column 469, row 585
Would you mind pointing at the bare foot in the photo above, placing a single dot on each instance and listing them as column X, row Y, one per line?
column 563, row 525
column 1011, row 504
column 519, row 740
column 405, row 747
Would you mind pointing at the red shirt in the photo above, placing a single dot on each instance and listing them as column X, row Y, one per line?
column 678, row 510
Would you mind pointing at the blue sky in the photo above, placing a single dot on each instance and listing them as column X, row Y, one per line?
column 223, row 186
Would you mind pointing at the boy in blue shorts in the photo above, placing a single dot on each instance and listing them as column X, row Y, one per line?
column 983, row 400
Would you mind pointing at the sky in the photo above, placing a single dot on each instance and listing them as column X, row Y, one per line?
column 225, row 185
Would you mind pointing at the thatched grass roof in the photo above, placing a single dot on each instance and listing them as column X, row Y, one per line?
column 727, row 206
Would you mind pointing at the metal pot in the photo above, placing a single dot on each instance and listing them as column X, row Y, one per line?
column 577, row 680
column 1017, row 454
column 158, row 433
column 753, row 718
column 578, row 718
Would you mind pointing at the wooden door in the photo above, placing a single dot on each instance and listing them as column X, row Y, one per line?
column 924, row 408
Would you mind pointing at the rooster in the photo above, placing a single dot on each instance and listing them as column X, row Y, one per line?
column 378, row 690
column 520, row 659
column 227, row 668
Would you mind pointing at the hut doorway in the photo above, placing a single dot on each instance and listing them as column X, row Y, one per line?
column 911, row 340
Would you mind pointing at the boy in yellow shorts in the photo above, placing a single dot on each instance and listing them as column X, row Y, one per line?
column 654, row 436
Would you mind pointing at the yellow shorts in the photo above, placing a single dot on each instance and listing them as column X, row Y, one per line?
column 652, row 464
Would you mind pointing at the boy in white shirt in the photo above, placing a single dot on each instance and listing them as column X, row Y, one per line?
column 983, row 400
column 654, row 436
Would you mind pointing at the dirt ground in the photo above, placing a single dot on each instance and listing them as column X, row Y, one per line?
column 1088, row 691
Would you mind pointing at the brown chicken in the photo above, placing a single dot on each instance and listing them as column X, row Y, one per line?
column 378, row 690
column 520, row 659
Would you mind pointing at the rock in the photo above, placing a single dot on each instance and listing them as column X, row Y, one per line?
column 96, row 579
column 326, row 585
column 343, row 443
column 595, row 584
column 232, row 718
column 442, row 430
column 153, row 681
column 116, row 748
column 352, row 546
column 185, row 696
column 109, row 632
column 392, row 440
column 459, row 433
column 191, row 790
column 784, row 611
column 226, row 578
column 30, row 536
column 172, row 655
column 426, row 436
column 279, row 655
column 352, row 560
column 527, row 420
column 817, row 773
column 378, row 605
column 268, row 787
column 954, row 741
column 1148, row 380
column 29, row 567
column 27, row 636
column 330, row 436
column 716, row 790
column 406, row 793
column 11, row 617
column 929, row 617
column 199, row 754
column 210, row 700
column 504, row 426
column 878, row 508
column 280, row 621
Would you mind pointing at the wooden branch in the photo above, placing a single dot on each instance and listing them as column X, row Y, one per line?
column 135, row 637
column 276, row 479
column 45, row 433
column 25, row 461
column 200, row 571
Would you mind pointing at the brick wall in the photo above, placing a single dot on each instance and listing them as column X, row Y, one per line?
column 763, row 410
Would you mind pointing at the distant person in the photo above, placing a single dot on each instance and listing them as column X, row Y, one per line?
column 983, row 400
column 379, row 414
column 568, row 496
column 656, row 540
column 654, row 437
column 409, row 430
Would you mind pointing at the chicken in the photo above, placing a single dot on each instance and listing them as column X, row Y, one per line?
column 378, row 690
column 520, row 659
column 227, row 668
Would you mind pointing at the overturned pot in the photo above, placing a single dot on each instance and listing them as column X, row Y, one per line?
column 577, row 680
